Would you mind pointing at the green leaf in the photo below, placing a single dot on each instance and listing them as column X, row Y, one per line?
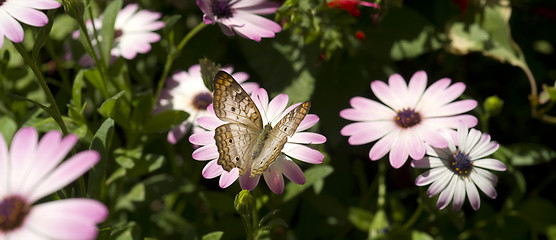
column 213, row 235
column 360, row 218
column 104, row 234
column 50, row 112
column 62, row 28
column 107, row 30
column 94, row 77
column 312, row 175
column 169, row 23
column 416, row 235
column 378, row 225
column 107, row 107
column 43, row 34
column 101, row 143
column 165, row 120
column 539, row 212
column 551, row 232
column 528, row 154
column 208, row 71
column 489, row 34
column 76, row 88
column 136, row 194
column 8, row 127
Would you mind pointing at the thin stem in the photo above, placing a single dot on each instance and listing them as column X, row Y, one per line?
column 381, row 200
column 173, row 54
column 56, row 115
column 98, row 62
column 414, row 217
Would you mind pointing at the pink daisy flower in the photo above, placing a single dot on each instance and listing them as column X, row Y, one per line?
column 241, row 16
column 133, row 32
column 186, row 91
column 31, row 170
column 460, row 168
column 25, row 11
column 272, row 112
column 409, row 119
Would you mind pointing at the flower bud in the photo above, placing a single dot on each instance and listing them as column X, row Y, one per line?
column 493, row 105
column 74, row 8
column 244, row 203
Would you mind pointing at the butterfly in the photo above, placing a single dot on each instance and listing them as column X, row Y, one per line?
column 243, row 142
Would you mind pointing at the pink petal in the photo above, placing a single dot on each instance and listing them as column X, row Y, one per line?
column 453, row 108
column 490, row 163
column 484, row 184
column 398, row 87
column 4, row 164
column 22, row 156
column 247, row 182
column 261, row 9
column 228, row 178
column 459, row 195
column 367, row 110
column 207, row 152
column 383, row 145
column 415, row 144
column 77, row 221
column 440, row 182
column 202, row 138
column 365, row 132
column 66, row 173
column 52, row 149
column 399, row 152
column 427, row 162
column 209, row 122
column 125, row 14
column 212, row 170
column 177, row 133
column 383, row 92
column 309, row 121
column 307, row 138
column 276, row 107
column 257, row 22
column 274, row 180
column 37, row 4
column 26, row 15
column 10, row 27
column 290, row 170
column 260, row 97
column 303, row 153
column 447, row 194
column 472, row 195
column 429, row 176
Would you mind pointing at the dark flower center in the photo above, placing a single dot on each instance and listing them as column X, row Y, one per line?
column 222, row 8
column 202, row 100
column 117, row 34
column 461, row 164
column 13, row 210
column 2, row 2
column 407, row 118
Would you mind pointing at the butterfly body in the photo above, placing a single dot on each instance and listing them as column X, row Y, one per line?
column 244, row 142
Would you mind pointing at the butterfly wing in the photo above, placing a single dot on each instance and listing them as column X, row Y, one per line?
column 236, row 139
column 232, row 104
column 278, row 137
column 234, row 143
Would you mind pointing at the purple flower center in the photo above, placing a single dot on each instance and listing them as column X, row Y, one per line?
column 461, row 164
column 222, row 8
column 202, row 100
column 407, row 118
column 13, row 210
column 117, row 33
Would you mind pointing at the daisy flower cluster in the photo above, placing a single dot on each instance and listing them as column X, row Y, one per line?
column 419, row 122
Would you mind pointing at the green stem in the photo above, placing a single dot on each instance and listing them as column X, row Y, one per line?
column 414, row 217
column 174, row 53
column 55, row 114
column 100, row 63
column 381, row 200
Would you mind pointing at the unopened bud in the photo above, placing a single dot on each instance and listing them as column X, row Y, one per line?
column 244, row 203
column 493, row 105
column 74, row 8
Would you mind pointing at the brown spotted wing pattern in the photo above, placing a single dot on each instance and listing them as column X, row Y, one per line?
column 243, row 142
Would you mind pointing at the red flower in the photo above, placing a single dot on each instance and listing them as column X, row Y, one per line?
column 360, row 35
column 351, row 6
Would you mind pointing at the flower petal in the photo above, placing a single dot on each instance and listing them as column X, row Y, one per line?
column 459, row 194
column 247, row 182
column 484, row 184
column 37, row 4
column 202, row 138
column 472, row 194
column 447, row 194
column 303, row 153
column 490, row 163
column 289, row 169
column 228, row 178
column 207, row 152
column 274, row 180
column 66, row 173
column 212, row 170
column 307, row 122
column 22, row 156
column 383, row 145
column 365, row 132
column 4, row 164
column 26, row 15
column 307, row 138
